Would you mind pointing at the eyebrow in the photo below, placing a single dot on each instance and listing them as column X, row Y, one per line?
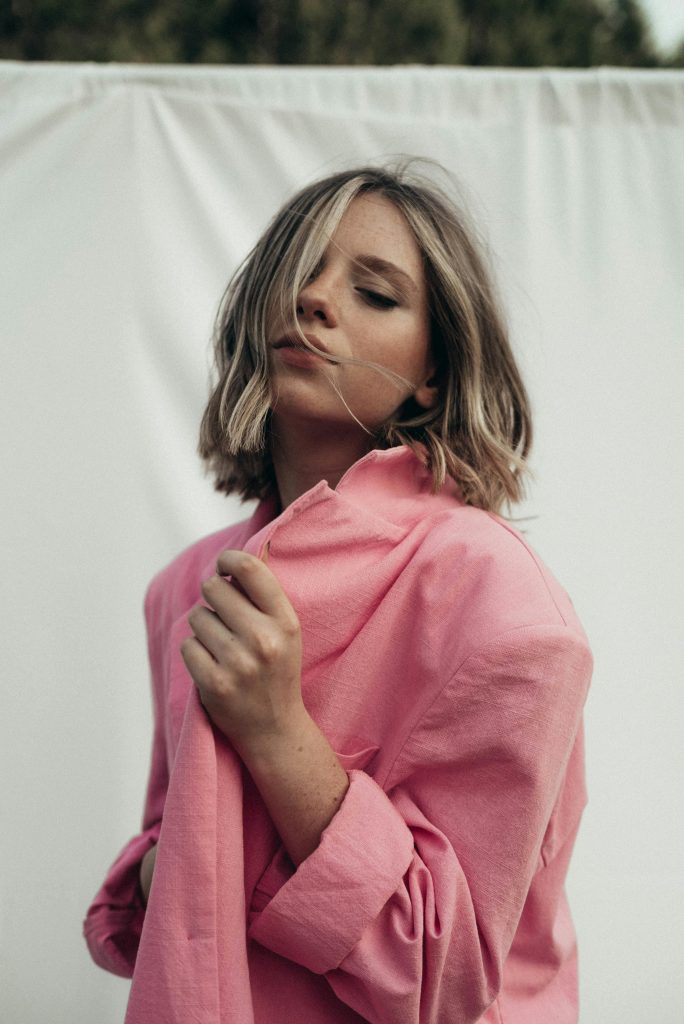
column 386, row 269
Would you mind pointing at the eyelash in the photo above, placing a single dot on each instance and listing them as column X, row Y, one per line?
column 377, row 300
column 373, row 298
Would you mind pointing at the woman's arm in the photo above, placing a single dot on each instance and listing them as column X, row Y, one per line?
column 245, row 659
column 301, row 782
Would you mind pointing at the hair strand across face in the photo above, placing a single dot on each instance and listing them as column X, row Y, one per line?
column 480, row 430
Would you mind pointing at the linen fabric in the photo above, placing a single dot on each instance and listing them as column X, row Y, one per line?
column 449, row 670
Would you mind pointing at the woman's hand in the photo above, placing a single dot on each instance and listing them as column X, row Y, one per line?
column 245, row 659
column 245, row 655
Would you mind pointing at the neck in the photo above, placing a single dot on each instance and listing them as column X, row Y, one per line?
column 305, row 453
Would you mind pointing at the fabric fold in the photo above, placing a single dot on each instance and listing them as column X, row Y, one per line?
column 114, row 923
column 365, row 873
column 194, row 900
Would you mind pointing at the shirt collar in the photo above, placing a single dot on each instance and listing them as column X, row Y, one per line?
column 390, row 484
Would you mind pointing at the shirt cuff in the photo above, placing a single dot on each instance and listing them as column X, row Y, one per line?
column 113, row 924
column 320, row 913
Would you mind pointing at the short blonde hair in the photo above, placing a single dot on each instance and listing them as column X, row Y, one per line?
column 480, row 430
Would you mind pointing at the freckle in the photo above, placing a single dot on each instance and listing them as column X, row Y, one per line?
column 299, row 749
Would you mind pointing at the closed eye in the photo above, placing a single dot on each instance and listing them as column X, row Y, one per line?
column 377, row 299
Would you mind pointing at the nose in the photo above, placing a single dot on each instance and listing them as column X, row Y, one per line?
column 314, row 302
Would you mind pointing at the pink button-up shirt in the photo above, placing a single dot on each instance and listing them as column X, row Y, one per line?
column 448, row 669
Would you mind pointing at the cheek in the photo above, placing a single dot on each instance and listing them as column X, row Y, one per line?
column 412, row 349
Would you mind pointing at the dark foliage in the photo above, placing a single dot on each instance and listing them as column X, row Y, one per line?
column 528, row 33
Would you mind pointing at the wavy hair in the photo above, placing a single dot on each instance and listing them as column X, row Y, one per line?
column 480, row 430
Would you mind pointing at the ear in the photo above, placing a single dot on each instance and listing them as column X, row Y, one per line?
column 427, row 393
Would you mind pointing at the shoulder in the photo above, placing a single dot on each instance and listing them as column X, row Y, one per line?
column 490, row 574
column 175, row 588
column 495, row 614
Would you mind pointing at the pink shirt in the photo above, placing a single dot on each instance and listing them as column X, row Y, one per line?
column 448, row 669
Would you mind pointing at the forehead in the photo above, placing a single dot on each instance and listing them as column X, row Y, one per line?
column 372, row 224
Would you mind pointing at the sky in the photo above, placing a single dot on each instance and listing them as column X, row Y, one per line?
column 667, row 21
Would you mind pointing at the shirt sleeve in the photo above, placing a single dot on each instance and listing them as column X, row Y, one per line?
column 410, row 903
column 114, row 920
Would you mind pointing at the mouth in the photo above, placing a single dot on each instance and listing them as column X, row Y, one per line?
column 294, row 341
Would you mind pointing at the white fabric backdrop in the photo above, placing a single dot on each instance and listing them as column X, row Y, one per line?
column 128, row 194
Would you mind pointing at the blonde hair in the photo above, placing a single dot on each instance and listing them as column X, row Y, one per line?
column 480, row 430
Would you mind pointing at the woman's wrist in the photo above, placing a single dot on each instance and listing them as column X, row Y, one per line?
column 302, row 784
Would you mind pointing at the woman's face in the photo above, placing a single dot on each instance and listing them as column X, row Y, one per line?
column 367, row 299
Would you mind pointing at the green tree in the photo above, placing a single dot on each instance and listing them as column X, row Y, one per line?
column 529, row 33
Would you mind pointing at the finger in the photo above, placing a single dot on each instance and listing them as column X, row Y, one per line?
column 198, row 661
column 232, row 606
column 257, row 581
column 212, row 632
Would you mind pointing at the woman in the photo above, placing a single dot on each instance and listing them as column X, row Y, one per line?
column 367, row 772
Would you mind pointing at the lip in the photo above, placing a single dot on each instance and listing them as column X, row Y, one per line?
column 293, row 341
column 297, row 355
